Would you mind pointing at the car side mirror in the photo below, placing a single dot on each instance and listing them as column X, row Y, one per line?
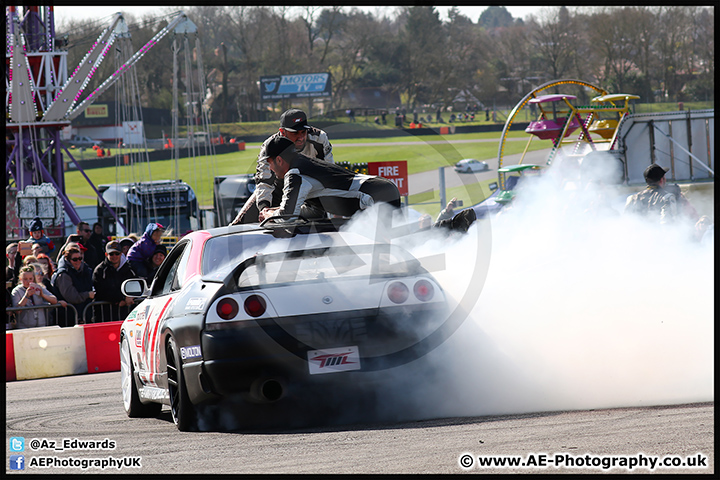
column 135, row 287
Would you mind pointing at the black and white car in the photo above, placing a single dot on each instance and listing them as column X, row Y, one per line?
column 260, row 314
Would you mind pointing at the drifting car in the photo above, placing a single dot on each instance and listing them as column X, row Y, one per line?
column 470, row 165
column 257, row 314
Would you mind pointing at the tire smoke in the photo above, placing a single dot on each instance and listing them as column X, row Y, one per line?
column 583, row 307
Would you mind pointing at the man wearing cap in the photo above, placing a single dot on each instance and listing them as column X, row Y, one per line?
column 107, row 278
column 310, row 141
column 660, row 199
column 336, row 189
column 37, row 236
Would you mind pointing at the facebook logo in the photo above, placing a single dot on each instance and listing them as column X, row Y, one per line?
column 17, row 444
column 17, row 462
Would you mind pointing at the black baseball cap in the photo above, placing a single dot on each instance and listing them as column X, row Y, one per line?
column 280, row 146
column 293, row 120
column 654, row 173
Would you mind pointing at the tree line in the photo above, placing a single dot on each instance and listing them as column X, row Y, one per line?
column 661, row 53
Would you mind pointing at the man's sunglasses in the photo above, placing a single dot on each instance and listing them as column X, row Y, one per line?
column 76, row 259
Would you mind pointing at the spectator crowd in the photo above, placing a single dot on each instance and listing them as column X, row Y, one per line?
column 88, row 269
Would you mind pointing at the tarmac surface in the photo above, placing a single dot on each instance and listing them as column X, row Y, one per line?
column 61, row 412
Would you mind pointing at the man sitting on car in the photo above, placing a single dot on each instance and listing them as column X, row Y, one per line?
column 308, row 140
column 338, row 190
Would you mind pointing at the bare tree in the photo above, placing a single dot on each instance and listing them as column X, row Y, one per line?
column 349, row 55
column 554, row 41
column 424, row 41
column 672, row 47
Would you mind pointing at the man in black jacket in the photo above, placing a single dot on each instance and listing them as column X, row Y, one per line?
column 338, row 190
column 310, row 141
column 92, row 256
column 97, row 239
column 107, row 278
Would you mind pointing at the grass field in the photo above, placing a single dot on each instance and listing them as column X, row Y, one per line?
column 367, row 122
column 200, row 171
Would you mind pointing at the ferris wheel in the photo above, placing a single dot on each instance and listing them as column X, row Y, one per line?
column 552, row 129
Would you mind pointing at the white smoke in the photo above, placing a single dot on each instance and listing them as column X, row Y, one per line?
column 567, row 303
column 582, row 307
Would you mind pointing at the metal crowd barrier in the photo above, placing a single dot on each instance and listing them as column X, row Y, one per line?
column 53, row 321
column 105, row 314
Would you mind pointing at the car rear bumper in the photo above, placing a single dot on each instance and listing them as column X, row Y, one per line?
column 240, row 355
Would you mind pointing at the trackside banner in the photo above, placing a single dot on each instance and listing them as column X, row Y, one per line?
column 304, row 85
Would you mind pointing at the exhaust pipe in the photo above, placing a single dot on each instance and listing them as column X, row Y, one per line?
column 266, row 390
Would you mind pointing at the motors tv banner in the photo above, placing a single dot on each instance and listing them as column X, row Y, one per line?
column 305, row 85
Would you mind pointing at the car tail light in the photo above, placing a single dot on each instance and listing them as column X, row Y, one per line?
column 227, row 308
column 255, row 305
column 398, row 292
column 424, row 290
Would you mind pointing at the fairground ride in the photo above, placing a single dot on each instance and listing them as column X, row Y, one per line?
column 42, row 100
column 604, row 141
column 680, row 141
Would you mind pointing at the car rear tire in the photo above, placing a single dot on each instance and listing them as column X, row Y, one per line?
column 182, row 410
column 131, row 399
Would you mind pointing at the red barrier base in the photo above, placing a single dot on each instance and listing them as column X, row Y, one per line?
column 9, row 358
column 101, row 346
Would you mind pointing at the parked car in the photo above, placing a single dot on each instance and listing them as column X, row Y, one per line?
column 259, row 316
column 81, row 141
column 470, row 165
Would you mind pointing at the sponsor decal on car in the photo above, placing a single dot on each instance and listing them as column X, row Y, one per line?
column 192, row 351
column 195, row 304
column 331, row 360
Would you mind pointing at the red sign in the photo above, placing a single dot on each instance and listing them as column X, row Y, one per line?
column 394, row 171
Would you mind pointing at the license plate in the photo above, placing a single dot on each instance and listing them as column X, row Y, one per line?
column 330, row 360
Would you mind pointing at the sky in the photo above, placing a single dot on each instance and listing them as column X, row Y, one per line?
column 98, row 12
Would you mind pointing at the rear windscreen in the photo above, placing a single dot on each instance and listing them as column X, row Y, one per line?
column 262, row 260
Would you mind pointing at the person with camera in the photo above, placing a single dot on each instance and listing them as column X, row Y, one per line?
column 28, row 293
